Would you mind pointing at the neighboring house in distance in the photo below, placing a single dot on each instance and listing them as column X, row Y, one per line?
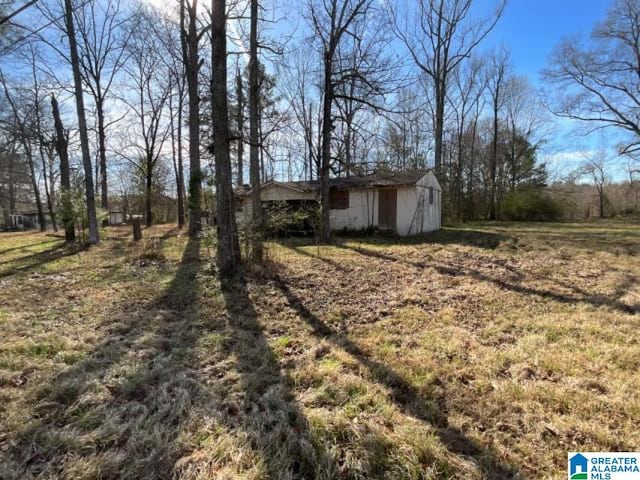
column 124, row 208
column 28, row 220
column 406, row 203
column 116, row 217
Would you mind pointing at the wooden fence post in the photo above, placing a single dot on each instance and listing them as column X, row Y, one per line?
column 137, row 231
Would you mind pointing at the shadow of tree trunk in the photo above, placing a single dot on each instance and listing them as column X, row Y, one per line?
column 408, row 399
column 267, row 413
column 455, row 269
column 120, row 411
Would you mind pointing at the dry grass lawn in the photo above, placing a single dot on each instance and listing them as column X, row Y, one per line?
column 487, row 351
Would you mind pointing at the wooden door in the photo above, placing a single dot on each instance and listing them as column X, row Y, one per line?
column 387, row 207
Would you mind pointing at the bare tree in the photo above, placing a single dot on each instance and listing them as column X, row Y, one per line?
column 148, row 102
column 176, row 143
column 364, row 76
column 633, row 190
column 228, row 252
column 439, row 36
column 14, row 174
column 595, row 167
column 298, row 78
column 469, row 84
column 599, row 83
column 240, row 107
column 498, row 78
column 94, row 236
column 331, row 20
column 254, row 136
column 526, row 119
column 102, row 48
column 171, row 39
column 22, row 123
column 61, row 143
column 190, row 38
column 41, row 134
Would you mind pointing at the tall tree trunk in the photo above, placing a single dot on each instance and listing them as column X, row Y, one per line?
column 347, row 145
column 65, row 181
column 36, row 189
column 180, row 178
column 6, row 210
column 310, row 143
column 189, row 40
column 45, row 175
column 12, row 185
column 94, row 236
column 47, row 192
column 51, row 159
column 440, row 94
column 147, row 196
column 494, row 163
column 7, row 201
column 102, row 154
column 325, row 231
column 263, row 164
column 24, row 141
column 254, row 138
column 228, row 253
column 459, row 183
column 472, row 154
column 176, row 155
column 240, row 127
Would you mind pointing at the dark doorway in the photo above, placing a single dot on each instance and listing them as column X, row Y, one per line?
column 387, row 207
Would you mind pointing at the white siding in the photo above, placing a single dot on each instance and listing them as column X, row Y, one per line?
column 414, row 213
column 410, row 213
column 361, row 214
column 275, row 192
column 432, row 216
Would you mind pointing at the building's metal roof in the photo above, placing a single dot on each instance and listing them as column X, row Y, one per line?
column 378, row 179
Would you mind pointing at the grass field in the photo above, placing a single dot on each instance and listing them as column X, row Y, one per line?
column 487, row 351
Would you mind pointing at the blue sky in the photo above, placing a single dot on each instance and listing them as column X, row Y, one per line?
column 531, row 28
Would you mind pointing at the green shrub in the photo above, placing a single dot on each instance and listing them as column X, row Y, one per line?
column 531, row 205
column 282, row 218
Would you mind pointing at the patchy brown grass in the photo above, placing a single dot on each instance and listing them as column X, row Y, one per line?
column 487, row 351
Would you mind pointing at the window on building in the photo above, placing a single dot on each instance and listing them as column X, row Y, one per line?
column 430, row 195
column 338, row 199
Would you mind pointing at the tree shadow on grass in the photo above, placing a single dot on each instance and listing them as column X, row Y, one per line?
column 325, row 259
column 24, row 247
column 588, row 236
column 35, row 260
column 410, row 400
column 268, row 414
column 119, row 411
column 122, row 410
column 444, row 236
column 455, row 269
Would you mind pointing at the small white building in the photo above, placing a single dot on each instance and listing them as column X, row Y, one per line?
column 407, row 203
column 116, row 217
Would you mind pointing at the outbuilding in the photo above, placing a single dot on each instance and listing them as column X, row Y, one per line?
column 407, row 203
column 28, row 220
column 116, row 217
